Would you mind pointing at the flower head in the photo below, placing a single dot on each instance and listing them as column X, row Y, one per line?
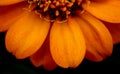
column 60, row 32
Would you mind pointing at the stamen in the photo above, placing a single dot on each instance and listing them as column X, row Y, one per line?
column 48, row 20
column 62, row 21
column 57, row 3
column 57, row 13
column 64, row 9
column 87, row 4
column 56, row 8
column 36, row 12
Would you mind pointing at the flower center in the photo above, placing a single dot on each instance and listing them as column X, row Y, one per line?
column 56, row 8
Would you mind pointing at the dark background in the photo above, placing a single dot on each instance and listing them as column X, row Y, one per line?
column 9, row 65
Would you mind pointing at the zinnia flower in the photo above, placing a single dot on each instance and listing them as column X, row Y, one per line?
column 60, row 32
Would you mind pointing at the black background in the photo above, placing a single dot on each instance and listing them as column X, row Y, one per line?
column 9, row 65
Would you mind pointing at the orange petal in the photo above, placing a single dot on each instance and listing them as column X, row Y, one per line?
column 98, row 39
column 67, row 44
column 9, row 14
column 9, row 2
column 49, row 63
column 115, row 31
column 43, row 57
column 26, row 35
column 37, row 58
column 108, row 10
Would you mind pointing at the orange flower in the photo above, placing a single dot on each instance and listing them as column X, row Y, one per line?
column 60, row 32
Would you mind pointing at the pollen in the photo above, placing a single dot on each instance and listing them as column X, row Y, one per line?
column 56, row 8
